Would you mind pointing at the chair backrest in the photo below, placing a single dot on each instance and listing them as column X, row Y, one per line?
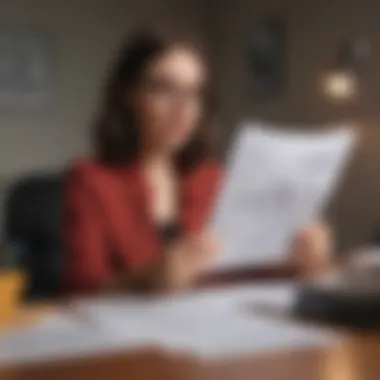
column 32, row 225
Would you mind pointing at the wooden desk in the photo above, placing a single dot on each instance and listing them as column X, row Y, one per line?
column 358, row 359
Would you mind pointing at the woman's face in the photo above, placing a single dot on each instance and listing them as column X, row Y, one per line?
column 168, row 103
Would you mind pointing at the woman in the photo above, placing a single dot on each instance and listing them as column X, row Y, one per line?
column 136, row 212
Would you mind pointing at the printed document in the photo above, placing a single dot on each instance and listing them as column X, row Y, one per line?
column 276, row 183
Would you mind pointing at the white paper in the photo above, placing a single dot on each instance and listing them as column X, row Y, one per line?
column 277, row 183
column 229, row 335
column 215, row 300
column 209, row 324
column 212, row 324
column 61, row 337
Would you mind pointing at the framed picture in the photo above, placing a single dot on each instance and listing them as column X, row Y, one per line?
column 266, row 59
column 25, row 69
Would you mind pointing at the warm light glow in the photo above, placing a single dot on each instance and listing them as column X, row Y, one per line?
column 340, row 85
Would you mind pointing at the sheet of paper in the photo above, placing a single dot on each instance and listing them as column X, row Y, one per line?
column 209, row 324
column 276, row 183
column 219, row 300
column 220, row 336
column 61, row 337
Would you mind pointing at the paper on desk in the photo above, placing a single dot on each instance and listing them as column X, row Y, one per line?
column 209, row 324
column 277, row 182
column 221, row 299
column 60, row 337
column 232, row 335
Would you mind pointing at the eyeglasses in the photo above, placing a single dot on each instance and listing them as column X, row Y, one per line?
column 165, row 89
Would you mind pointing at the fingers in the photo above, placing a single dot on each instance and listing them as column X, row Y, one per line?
column 205, row 245
column 312, row 248
column 316, row 238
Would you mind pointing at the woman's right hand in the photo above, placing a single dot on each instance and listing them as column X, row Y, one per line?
column 185, row 260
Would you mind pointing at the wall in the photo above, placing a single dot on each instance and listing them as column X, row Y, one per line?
column 83, row 35
column 315, row 29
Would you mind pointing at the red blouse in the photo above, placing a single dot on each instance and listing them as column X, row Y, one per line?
column 107, row 219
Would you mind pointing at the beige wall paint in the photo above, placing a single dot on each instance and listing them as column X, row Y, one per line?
column 315, row 29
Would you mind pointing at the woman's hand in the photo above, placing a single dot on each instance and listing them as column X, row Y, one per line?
column 312, row 249
column 185, row 260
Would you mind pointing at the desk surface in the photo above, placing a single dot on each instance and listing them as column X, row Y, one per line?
column 357, row 359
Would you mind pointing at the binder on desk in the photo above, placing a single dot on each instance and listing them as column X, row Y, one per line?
column 348, row 299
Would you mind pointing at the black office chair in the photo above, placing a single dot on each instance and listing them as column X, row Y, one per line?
column 32, row 232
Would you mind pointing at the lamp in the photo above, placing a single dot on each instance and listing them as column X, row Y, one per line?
column 341, row 82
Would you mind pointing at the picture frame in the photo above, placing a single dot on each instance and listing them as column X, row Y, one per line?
column 25, row 69
column 266, row 59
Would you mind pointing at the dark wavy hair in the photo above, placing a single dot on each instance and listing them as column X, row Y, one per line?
column 116, row 133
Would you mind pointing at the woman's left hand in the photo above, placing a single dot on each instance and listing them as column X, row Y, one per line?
column 312, row 249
